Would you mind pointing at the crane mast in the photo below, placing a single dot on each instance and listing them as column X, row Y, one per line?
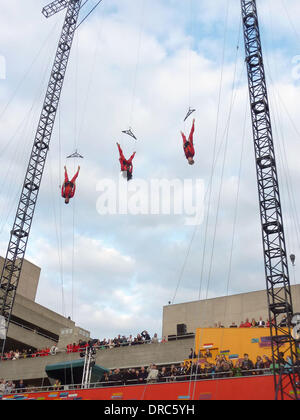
column 274, row 247
column 22, row 224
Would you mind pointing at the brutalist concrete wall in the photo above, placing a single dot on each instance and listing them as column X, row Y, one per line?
column 122, row 357
column 206, row 313
column 29, row 279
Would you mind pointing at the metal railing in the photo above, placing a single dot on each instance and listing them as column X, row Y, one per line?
column 25, row 327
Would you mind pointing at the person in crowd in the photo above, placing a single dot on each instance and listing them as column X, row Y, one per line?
column 130, row 377
column 267, row 362
column 154, row 339
column 207, row 354
column 136, row 341
column 259, row 366
column 200, row 355
column 20, row 387
column 219, row 367
column 140, row 339
column 288, row 366
column 245, row 324
column 163, row 375
column 137, row 375
column 226, row 366
column 152, row 374
column 105, row 380
column 247, row 366
column 253, row 323
column 192, row 354
column 237, row 369
column 208, row 370
column 117, row 377
column 124, row 341
column 275, row 367
column 142, row 377
column 17, row 355
column 281, row 359
column 2, row 386
column 10, row 387
column 261, row 323
column 194, row 370
column 110, row 375
column 284, row 322
column 173, row 373
column 233, row 325
column 181, row 372
column 269, row 322
column 53, row 350
column 57, row 385
column 111, row 344
column 104, row 344
column 146, row 336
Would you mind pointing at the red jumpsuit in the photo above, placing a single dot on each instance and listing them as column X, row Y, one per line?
column 69, row 187
column 126, row 164
column 188, row 145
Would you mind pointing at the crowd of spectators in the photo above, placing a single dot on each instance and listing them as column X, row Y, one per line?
column 119, row 341
column 30, row 353
column 10, row 387
column 252, row 324
column 204, row 369
column 221, row 367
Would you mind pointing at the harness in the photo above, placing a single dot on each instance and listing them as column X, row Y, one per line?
column 68, row 184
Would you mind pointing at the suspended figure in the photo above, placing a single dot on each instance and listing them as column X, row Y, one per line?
column 69, row 187
column 126, row 164
column 188, row 145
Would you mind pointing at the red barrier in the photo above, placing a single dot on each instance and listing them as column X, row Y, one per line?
column 244, row 388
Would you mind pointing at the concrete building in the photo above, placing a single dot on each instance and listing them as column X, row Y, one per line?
column 229, row 309
column 32, row 325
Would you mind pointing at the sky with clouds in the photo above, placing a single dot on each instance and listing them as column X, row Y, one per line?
column 142, row 63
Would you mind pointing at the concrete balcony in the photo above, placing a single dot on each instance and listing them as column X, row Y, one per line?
column 121, row 357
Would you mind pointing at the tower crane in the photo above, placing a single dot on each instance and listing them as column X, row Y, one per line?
column 19, row 234
column 273, row 237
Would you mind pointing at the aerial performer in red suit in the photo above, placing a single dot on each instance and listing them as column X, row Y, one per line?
column 126, row 164
column 188, row 145
column 69, row 187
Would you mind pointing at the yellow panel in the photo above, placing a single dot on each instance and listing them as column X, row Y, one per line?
column 235, row 341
